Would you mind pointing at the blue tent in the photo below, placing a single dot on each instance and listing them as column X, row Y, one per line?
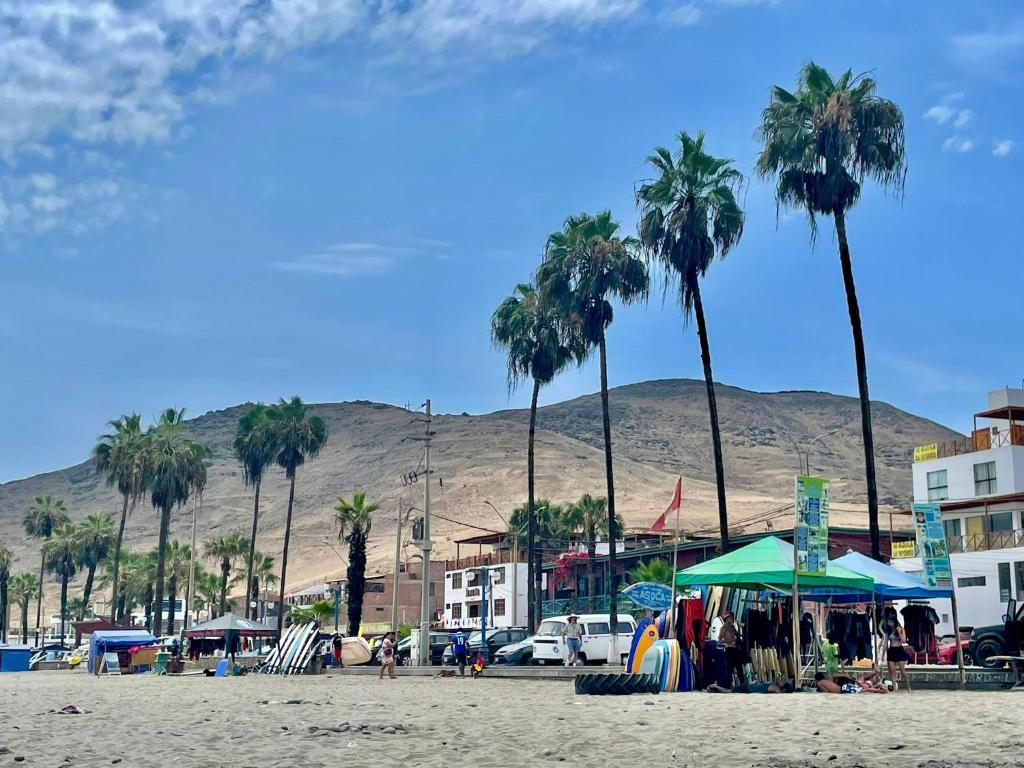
column 109, row 640
column 890, row 583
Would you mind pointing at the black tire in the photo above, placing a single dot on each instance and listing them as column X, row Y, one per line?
column 598, row 684
column 987, row 648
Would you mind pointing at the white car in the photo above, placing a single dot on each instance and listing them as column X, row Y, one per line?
column 549, row 647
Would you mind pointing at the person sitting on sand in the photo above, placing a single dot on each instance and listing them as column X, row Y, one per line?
column 827, row 683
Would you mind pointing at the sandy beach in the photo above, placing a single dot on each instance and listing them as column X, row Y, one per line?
column 202, row 723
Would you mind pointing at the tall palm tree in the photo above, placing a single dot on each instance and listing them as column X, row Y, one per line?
column 254, row 448
column 298, row 436
column 23, row 587
column 820, row 144
column 354, row 519
column 178, row 558
column 688, row 215
column 207, row 592
column 227, row 551
column 61, row 555
column 81, row 610
column 45, row 515
column 121, row 457
column 6, row 560
column 539, row 343
column 589, row 517
column 587, row 264
column 263, row 573
column 95, row 540
column 176, row 471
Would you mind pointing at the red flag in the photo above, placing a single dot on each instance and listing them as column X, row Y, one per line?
column 659, row 524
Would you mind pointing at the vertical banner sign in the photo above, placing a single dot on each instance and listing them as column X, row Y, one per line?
column 811, row 527
column 931, row 545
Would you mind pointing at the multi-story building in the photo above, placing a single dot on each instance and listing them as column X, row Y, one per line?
column 506, row 586
column 978, row 482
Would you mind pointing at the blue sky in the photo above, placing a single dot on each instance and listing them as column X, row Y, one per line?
column 209, row 203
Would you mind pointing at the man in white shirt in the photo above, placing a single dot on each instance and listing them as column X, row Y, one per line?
column 572, row 634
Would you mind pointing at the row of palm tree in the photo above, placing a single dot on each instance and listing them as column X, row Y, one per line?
column 819, row 145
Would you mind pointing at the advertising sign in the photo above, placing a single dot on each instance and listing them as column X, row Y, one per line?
column 811, row 525
column 931, row 545
column 650, row 595
column 901, row 549
column 926, row 452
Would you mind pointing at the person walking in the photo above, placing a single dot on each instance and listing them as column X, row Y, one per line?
column 572, row 634
column 387, row 656
column 729, row 637
column 460, row 650
column 896, row 652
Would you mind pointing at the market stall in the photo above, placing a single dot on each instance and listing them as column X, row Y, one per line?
column 226, row 634
column 119, row 651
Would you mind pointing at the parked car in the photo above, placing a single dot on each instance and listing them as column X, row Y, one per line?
column 999, row 639
column 946, row 647
column 549, row 648
column 515, row 653
column 438, row 642
column 496, row 638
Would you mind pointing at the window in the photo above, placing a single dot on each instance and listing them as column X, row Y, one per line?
column 971, row 581
column 938, row 485
column 625, row 628
column 596, row 628
column 1004, row 581
column 472, row 578
column 474, row 610
column 374, row 586
column 430, row 591
column 985, row 478
column 499, row 607
column 498, row 576
column 1000, row 521
column 952, row 528
column 1018, row 573
column 456, row 610
column 379, row 609
column 457, row 580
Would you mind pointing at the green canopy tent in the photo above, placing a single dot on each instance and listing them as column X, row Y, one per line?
column 767, row 564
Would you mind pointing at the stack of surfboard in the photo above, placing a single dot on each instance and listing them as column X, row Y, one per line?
column 292, row 655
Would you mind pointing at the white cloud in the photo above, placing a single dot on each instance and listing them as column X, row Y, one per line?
column 991, row 49
column 681, row 16
column 963, row 118
column 958, row 144
column 940, row 113
column 1002, row 148
column 359, row 259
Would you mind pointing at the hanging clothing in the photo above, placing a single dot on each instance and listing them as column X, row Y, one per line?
column 919, row 624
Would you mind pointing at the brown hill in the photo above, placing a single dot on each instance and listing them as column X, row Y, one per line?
column 660, row 430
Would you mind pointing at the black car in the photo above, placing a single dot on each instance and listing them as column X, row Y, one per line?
column 999, row 639
column 438, row 642
column 496, row 638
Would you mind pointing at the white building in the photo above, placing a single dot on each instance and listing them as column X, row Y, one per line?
column 506, row 595
column 979, row 484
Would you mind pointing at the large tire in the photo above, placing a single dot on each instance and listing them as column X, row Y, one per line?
column 987, row 648
column 599, row 684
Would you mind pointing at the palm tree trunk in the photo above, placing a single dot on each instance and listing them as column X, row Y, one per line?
column 117, row 558
column 24, row 622
column 172, row 588
column 158, row 598
column 39, row 597
column 716, row 436
column 87, row 590
column 862, row 383
column 252, row 554
column 147, row 608
column 613, row 577
column 63, row 599
column 591, row 556
column 356, row 581
column 284, row 557
column 225, row 572
column 533, row 560
column 4, row 608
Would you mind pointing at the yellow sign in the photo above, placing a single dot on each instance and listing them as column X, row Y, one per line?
column 904, row 548
column 926, row 452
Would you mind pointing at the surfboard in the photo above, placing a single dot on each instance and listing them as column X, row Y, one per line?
column 274, row 657
column 650, row 664
column 643, row 642
column 354, row 650
column 292, row 649
column 303, row 651
column 633, row 655
column 672, row 682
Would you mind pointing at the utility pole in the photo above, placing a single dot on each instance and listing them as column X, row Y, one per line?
column 192, row 574
column 425, row 546
column 398, row 560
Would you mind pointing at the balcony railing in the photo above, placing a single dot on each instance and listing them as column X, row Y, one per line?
column 979, row 440
column 983, row 542
column 568, row 605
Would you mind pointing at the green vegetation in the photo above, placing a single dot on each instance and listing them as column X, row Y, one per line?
column 22, row 588
column 659, row 571
column 354, row 519
column 45, row 515
column 5, row 579
column 227, row 551
column 254, row 448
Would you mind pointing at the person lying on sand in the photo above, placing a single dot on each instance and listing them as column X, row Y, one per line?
column 827, row 683
column 751, row 688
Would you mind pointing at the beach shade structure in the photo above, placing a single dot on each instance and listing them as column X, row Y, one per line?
column 231, row 624
column 767, row 565
column 108, row 641
column 890, row 583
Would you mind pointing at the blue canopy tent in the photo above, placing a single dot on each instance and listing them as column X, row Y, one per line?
column 890, row 583
column 110, row 640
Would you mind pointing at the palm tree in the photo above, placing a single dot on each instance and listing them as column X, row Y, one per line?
column 45, row 514
column 227, row 550
column 588, row 516
column 81, row 610
column 23, row 588
column 322, row 610
column 208, row 591
column 539, row 343
column 95, row 539
column 254, row 448
column 176, row 470
column 263, row 575
column 6, row 561
column 659, row 571
column 820, row 144
column 354, row 519
column 688, row 215
column 121, row 457
column 297, row 437
column 177, row 558
column 585, row 265
column 61, row 555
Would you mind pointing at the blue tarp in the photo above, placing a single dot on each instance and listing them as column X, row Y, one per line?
column 890, row 583
column 105, row 640
column 14, row 658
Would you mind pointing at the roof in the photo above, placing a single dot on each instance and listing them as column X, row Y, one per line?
column 229, row 622
column 1009, row 412
column 977, row 502
column 890, row 583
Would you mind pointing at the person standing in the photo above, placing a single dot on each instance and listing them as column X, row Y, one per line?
column 896, row 652
column 336, row 648
column 572, row 634
column 729, row 637
column 460, row 650
column 387, row 656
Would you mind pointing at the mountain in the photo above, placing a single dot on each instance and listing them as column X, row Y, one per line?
column 659, row 430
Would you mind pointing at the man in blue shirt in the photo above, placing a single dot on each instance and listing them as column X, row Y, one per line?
column 460, row 649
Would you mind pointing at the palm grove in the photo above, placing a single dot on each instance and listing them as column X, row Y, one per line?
column 819, row 143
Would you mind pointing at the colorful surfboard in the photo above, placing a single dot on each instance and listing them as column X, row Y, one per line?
column 645, row 636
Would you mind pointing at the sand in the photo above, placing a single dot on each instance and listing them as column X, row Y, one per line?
column 203, row 722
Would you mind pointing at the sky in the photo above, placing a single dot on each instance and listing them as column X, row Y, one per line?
column 209, row 202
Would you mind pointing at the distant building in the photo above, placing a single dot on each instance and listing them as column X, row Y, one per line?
column 978, row 482
column 506, row 584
